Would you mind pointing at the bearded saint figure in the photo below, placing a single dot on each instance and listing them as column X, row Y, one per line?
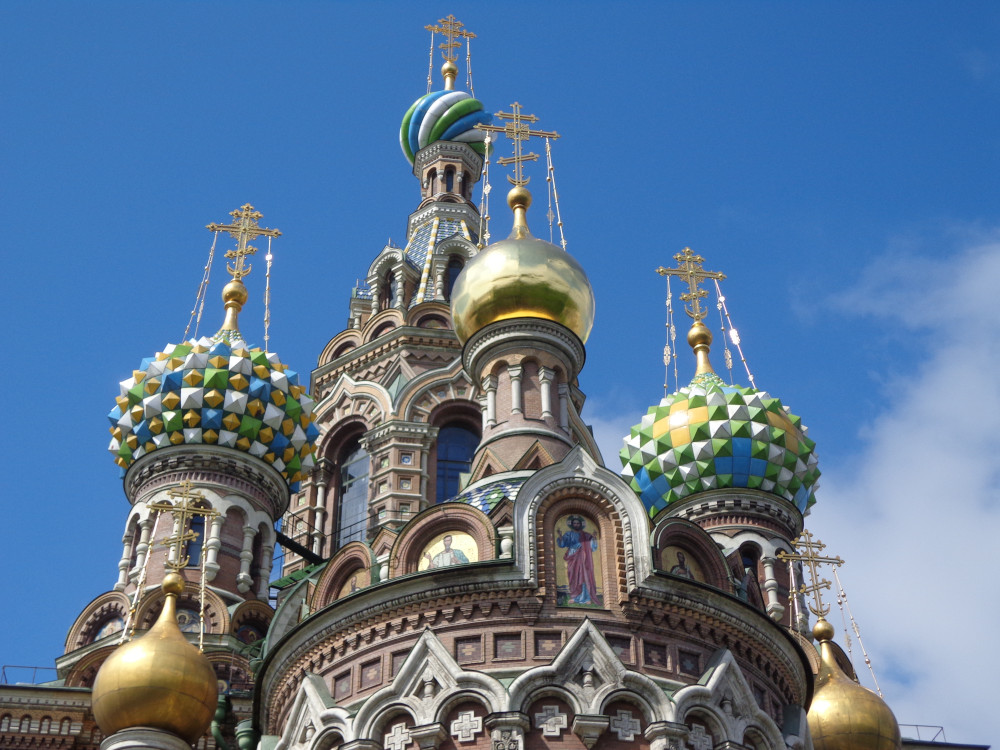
column 580, row 546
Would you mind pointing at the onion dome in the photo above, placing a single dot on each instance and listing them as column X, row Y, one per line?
column 158, row 680
column 217, row 390
column 844, row 715
column 711, row 435
column 443, row 116
column 522, row 277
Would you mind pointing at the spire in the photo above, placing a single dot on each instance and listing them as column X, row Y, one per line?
column 518, row 130
column 453, row 30
column 234, row 295
column 689, row 268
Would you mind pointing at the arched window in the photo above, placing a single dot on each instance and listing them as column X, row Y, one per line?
column 455, row 266
column 352, row 493
column 195, row 546
column 449, row 179
column 456, row 445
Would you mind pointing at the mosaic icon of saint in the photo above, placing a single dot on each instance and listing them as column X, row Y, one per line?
column 580, row 546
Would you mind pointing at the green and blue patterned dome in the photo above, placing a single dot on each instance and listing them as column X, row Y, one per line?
column 443, row 116
column 216, row 391
column 712, row 435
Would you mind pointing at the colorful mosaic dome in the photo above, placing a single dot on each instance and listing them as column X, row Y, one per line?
column 487, row 494
column 443, row 116
column 220, row 392
column 711, row 435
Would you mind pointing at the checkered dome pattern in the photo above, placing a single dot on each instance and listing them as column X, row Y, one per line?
column 219, row 392
column 711, row 435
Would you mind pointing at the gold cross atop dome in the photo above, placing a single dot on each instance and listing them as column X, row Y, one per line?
column 518, row 130
column 811, row 557
column 689, row 269
column 243, row 229
column 183, row 510
column 453, row 29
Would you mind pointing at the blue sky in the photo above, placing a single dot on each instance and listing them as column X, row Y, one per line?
column 838, row 161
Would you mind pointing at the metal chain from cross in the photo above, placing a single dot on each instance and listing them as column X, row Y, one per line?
column 690, row 271
column 518, row 130
column 182, row 511
column 811, row 557
column 243, row 229
column 452, row 28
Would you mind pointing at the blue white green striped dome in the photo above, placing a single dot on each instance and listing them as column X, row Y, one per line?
column 711, row 435
column 443, row 116
column 221, row 392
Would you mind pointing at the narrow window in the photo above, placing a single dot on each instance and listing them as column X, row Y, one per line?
column 353, row 493
column 451, row 275
column 456, row 445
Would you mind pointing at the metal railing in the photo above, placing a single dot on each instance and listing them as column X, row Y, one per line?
column 9, row 677
column 938, row 732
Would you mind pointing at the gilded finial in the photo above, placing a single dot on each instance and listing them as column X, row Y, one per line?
column 809, row 554
column 518, row 130
column 689, row 269
column 453, row 30
column 244, row 228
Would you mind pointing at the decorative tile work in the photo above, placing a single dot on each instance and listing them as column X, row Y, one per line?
column 551, row 721
column 508, row 646
column 342, row 685
column 655, row 655
column 547, row 644
column 466, row 726
column 216, row 391
column 711, row 435
column 371, row 674
column 486, row 496
column 443, row 116
column 689, row 663
column 622, row 647
column 397, row 738
column 469, row 650
column 398, row 658
column 624, row 726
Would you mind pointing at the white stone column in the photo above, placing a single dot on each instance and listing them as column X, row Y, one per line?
column 141, row 549
column 126, row 557
column 439, row 285
column 490, row 387
column 266, row 563
column 212, row 546
column 320, row 516
column 564, row 406
column 171, row 557
column 515, row 372
column 546, row 376
column 243, row 579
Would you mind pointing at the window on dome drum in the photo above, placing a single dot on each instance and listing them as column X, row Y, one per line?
column 352, row 493
column 195, row 546
column 455, row 266
column 456, row 445
column 387, row 297
column 449, row 179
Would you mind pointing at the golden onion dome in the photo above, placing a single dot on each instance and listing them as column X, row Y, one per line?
column 522, row 277
column 844, row 715
column 158, row 680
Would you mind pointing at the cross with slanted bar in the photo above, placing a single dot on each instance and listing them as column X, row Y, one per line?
column 243, row 229
column 451, row 27
column 183, row 510
column 689, row 269
column 812, row 560
column 517, row 130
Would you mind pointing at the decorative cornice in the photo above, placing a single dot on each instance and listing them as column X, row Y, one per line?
column 739, row 509
column 524, row 334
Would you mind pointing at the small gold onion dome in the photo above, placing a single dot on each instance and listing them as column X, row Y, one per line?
column 158, row 680
column 844, row 715
column 522, row 277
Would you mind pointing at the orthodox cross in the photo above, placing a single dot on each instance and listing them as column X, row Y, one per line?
column 690, row 270
column 244, row 228
column 182, row 510
column 809, row 554
column 518, row 130
column 451, row 28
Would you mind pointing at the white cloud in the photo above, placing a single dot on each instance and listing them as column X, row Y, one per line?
column 916, row 516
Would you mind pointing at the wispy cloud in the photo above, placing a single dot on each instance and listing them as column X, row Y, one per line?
column 916, row 513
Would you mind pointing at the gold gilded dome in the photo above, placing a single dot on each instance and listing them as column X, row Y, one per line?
column 844, row 715
column 158, row 680
column 522, row 277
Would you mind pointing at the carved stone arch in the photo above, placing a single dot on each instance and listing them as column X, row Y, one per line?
column 335, row 346
column 350, row 398
column 314, row 720
column 95, row 615
column 710, row 720
column 390, row 259
column 391, row 715
column 383, row 542
column 82, row 673
column 429, row 308
column 648, row 706
column 217, row 618
column 419, row 398
column 696, row 544
column 458, row 697
column 580, row 473
column 417, row 534
column 349, row 559
column 428, row 679
column 254, row 614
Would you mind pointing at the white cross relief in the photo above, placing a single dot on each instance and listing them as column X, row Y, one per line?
column 398, row 738
column 699, row 739
column 466, row 726
column 551, row 721
column 625, row 726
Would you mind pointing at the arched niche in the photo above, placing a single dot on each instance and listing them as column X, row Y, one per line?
column 427, row 532
column 188, row 603
column 95, row 618
column 684, row 550
column 348, row 571
column 250, row 621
